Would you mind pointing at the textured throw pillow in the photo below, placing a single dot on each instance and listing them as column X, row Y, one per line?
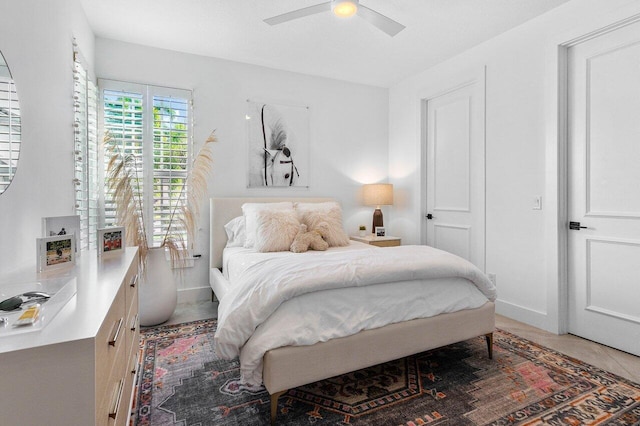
column 275, row 230
column 323, row 207
column 250, row 211
column 235, row 230
column 335, row 236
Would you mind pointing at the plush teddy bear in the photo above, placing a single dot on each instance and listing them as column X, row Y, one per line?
column 313, row 240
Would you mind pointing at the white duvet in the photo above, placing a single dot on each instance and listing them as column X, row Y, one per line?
column 283, row 299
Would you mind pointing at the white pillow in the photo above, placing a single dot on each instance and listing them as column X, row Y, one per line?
column 275, row 230
column 250, row 211
column 336, row 236
column 324, row 207
column 235, row 230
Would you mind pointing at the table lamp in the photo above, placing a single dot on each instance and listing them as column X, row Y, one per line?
column 377, row 194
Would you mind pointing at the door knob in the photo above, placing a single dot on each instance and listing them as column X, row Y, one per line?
column 576, row 226
column 429, row 216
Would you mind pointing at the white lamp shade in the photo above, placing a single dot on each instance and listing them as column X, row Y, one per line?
column 378, row 194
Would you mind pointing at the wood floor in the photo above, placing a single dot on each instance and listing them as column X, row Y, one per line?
column 620, row 363
column 604, row 357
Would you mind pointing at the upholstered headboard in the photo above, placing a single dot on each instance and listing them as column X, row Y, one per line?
column 225, row 209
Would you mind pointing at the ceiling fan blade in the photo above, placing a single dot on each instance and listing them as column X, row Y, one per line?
column 387, row 25
column 300, row 13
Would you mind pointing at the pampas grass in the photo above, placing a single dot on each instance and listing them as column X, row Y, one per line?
column 122, row 175
column 196, row 189
column 122, row 183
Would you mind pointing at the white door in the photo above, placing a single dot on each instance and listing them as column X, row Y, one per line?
column 604, row 189
column 455, row 172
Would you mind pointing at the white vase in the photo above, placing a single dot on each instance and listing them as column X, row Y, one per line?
column 158, row 293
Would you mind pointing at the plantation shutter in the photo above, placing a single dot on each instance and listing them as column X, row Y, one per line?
column 122, row 115
column 85, row 153
column 10, row 125
column 170, row 161
column 154, row 125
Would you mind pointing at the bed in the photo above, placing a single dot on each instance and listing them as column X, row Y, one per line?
column 288, row 365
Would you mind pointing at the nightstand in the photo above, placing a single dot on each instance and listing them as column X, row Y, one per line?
column 378, row 241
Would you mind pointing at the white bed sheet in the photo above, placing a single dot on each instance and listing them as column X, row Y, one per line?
column 221, row 282
column 323, row 315
column 235, row 260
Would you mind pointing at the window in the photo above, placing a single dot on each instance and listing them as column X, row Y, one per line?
column 153, row 124
column 85, row 106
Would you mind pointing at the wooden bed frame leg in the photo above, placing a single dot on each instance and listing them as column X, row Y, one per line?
column 489, row 338
column 274, row 406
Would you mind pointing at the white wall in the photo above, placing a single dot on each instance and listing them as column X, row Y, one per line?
column 36, row 40
column 349, row 127
column 518, row 123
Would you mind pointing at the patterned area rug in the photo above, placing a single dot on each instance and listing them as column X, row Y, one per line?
column 182, row 382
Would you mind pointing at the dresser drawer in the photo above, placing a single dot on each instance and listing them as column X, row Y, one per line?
column 114, row 398
column 131, row 283
column 133, row 322
column 133, row 334
column 388, row 243
column 132, row 305
column 110, row 339
column 131, row 375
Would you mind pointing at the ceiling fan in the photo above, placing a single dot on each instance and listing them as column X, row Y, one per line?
column 342, row 9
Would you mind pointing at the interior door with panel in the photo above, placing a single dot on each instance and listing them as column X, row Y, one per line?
column 456, row 172
column 604, row 189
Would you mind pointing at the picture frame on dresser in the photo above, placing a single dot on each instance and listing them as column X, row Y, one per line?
column 111, row 240
column 62, row 225
column 380, row 231
column 56, row 252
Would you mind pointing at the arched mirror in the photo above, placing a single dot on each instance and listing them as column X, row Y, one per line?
column 10, row 126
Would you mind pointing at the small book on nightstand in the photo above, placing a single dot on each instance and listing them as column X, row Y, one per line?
column 387, row 241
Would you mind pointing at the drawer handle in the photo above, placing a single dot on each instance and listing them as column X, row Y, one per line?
column 116, row 404
column 112, row 342
column 134, row 281
column 134, row 323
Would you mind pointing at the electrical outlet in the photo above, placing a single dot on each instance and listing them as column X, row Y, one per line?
column 492, row 278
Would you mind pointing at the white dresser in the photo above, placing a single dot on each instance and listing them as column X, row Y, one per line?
column 80, row 368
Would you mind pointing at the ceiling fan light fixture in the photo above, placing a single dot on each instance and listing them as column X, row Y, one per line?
column 344, row 8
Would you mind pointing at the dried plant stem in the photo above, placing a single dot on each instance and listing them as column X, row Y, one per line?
column 196, row 186
column 123, row 180
column 122, row 174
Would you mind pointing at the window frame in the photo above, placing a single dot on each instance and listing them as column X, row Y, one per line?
column 148, row 93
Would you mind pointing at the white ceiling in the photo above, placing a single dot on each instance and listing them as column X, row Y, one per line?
column 323, row 45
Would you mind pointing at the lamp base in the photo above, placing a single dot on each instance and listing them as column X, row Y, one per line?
column 377, row 220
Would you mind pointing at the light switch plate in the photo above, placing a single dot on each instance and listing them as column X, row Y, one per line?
column 537, row 202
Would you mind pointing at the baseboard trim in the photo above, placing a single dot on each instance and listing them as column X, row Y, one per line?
column 192, row 295
column 522, row 314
